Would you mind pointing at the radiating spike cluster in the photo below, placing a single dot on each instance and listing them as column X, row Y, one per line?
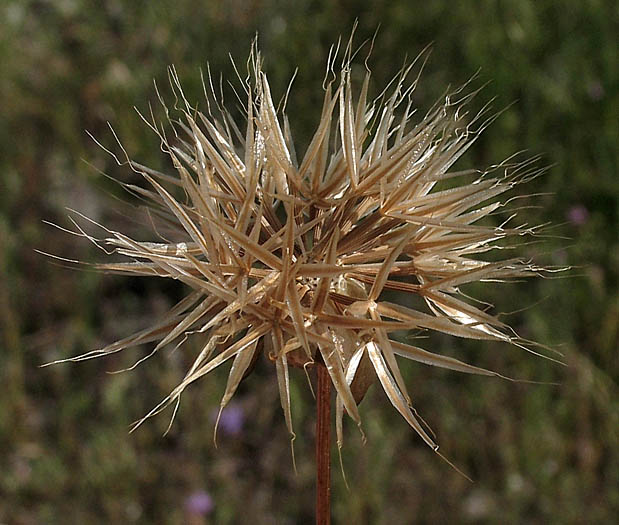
column 290, row 258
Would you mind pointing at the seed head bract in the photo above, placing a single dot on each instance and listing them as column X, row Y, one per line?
column 289, row 257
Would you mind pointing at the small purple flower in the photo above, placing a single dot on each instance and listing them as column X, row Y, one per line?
column 578, row 215
column 595, row 90
column 199, row 503
column 231, row 420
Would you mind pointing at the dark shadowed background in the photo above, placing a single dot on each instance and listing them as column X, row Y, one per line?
column 538, row 454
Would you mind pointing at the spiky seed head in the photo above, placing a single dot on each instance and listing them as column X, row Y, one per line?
column 290, row 258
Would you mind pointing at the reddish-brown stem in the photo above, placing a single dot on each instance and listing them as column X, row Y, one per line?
column 323, row 446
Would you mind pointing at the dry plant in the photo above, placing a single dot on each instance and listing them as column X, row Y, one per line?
column 290, row 257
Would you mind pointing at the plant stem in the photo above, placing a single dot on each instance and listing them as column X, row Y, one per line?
column 323, row 446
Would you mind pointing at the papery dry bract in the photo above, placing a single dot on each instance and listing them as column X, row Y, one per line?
column 291, row 258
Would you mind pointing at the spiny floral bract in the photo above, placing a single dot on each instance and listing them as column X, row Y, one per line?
column 290, row 258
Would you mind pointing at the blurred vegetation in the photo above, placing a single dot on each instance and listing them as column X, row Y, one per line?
column 538, row 453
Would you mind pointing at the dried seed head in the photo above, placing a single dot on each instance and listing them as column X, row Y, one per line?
column 291, row 258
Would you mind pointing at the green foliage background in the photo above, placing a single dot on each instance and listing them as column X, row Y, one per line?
column 538, row 454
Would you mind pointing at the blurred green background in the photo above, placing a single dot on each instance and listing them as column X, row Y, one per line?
column 538, row 454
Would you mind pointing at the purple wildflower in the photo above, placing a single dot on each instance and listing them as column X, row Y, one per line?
column 578, row 215
column 231, row 420
column 595, row 90
column 199, row 503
